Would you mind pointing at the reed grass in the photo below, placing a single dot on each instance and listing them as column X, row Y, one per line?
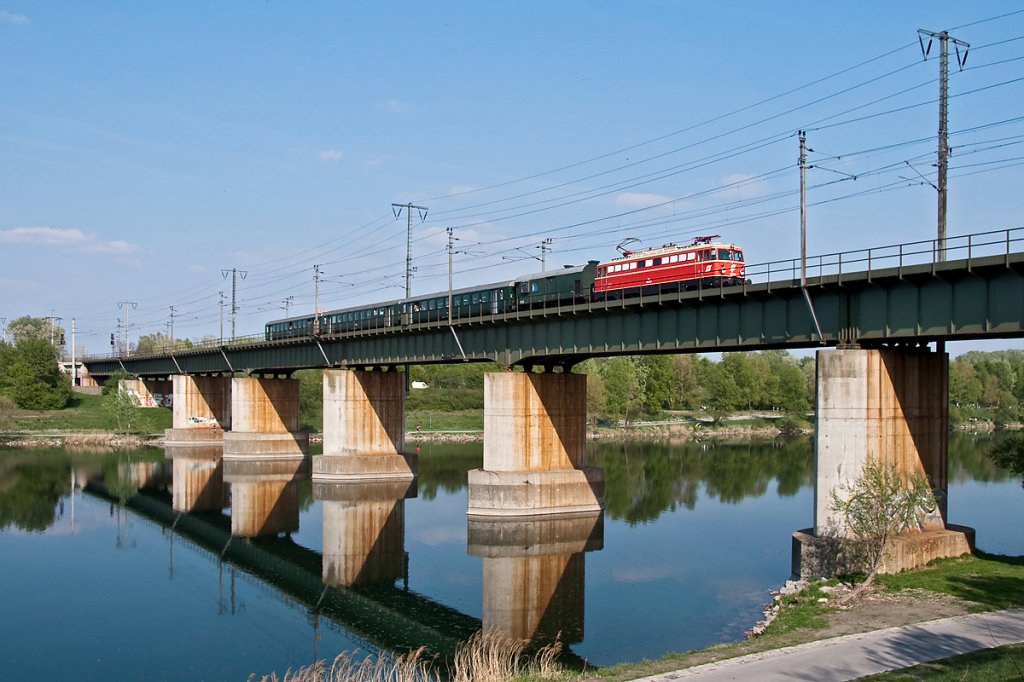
column 487, row 656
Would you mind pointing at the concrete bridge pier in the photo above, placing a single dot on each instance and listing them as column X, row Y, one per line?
column 264, row 494
column 148, row 392
column 533, row 573
column 201, row 410
column 198, row 477
column 364, row 427
column 265, row 419
column 890, row 406
column 534, row 448
column 364, row 531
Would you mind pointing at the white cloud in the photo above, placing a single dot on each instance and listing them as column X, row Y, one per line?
column 17, row 19
column 394, row 106
column 71, row 239
column 329, row 154
column 639, row 200
column 743, row 186
column 46, row 236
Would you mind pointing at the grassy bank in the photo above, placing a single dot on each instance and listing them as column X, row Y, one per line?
column 1000, row 663
column 84, row 413
column 976, row 583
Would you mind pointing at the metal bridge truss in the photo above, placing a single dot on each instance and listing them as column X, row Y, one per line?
column 907, row 302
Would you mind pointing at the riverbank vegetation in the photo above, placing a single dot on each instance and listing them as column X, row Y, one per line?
column 83, row 413
column 946, row 587
column 487, row 656
column 999, row 663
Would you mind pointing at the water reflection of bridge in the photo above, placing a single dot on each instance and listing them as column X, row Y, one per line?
column 532, row 571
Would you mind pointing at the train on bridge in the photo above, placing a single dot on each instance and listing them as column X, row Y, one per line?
column 702, row 263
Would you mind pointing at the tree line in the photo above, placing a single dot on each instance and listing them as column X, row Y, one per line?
column 987, row 387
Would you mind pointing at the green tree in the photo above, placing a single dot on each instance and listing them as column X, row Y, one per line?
column 687, row 371
column 597, row 395
column 875, row 507
column 623, row 387
column 124, row 406
column 160, row 343
column 30, row 376
column 311, row 399
column 750, row 372
column 788, row 388
column 659, row 381
column 721, row 394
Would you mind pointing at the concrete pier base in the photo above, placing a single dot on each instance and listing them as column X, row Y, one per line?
column 815, row 556
column 201, row 410
column 534, row 573
column 265, row 419
column 364, row 531
column 364, row 428
column 534, row 448
column 888, row 406
column 535, row 493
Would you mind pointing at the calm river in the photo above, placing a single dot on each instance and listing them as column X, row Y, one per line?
column 103, row 580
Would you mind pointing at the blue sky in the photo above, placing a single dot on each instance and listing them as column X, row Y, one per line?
column 146, row 147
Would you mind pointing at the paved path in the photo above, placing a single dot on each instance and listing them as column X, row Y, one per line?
column 853, row 656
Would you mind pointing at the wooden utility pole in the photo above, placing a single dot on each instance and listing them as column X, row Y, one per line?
column 943, row 154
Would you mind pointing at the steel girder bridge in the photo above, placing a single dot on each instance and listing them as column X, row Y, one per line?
column 901, row 294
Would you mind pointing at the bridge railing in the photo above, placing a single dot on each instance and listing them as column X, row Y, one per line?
column 924, row 252
column 818, row 268
column 179, row 348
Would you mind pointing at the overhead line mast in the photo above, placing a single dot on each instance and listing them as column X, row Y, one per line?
column 397, row 210
column 943, row 155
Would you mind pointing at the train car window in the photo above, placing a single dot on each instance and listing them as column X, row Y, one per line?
column 484, row 297
column 723, row 254
column 738, row 255
column 430, row 305
column 654, row 261
column 643, row 264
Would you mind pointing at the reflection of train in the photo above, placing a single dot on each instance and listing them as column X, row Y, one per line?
column 703, row 263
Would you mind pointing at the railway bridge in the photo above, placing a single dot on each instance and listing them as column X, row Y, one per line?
column 880, row 318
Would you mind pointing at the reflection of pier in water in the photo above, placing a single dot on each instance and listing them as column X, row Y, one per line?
column 533, row 568
column 384, row 615
column 533, row 573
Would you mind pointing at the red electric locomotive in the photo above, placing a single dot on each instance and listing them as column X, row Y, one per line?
column 703, row 263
